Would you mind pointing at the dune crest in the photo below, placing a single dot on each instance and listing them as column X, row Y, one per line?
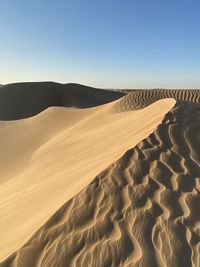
column 141, row 211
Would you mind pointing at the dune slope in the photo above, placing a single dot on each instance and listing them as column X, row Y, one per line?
column 142, row 211
column 23, row 100
column 45, row 160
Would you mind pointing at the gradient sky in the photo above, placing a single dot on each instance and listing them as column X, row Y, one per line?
column 102, row 43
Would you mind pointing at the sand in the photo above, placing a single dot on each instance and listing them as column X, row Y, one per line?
column 128, row 184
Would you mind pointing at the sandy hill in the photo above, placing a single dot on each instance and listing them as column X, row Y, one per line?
column 128, row 184
column 22, row 100
column 143, row 210
column 48, row 158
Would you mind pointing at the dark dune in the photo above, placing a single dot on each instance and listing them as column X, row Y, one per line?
column 22, row 100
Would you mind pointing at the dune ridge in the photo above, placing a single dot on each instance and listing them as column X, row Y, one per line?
column 141, row 98
column 142, row 211
column 23, row 100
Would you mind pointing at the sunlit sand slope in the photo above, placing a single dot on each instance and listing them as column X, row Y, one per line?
column 142, row 211
column 47, row 159
column 141, row 98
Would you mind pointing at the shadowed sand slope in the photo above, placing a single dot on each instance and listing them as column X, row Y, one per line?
column 22, row 100
column 142, row 211
column 141, row 98
column 47, row 159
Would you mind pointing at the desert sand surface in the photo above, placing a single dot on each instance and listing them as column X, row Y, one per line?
column 111, row 185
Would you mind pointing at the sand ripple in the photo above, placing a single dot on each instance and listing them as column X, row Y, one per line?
column 141, row 98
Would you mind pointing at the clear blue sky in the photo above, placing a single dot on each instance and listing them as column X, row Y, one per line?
column 103, row 43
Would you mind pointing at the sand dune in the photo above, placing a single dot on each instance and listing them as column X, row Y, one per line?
column 141, row 98
column 139, row 210
column 22, row 100
column 142, row 211
column 48, row 158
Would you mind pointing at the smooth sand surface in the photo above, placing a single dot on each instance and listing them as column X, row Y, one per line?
column 141, row 211
column 47, row 159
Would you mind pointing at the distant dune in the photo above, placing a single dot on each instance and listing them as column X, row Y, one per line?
column 141, row 98
column 111, row 185
column 22, row 100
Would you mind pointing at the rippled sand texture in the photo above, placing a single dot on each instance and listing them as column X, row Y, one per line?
column 142, row 98
column 142, row 211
